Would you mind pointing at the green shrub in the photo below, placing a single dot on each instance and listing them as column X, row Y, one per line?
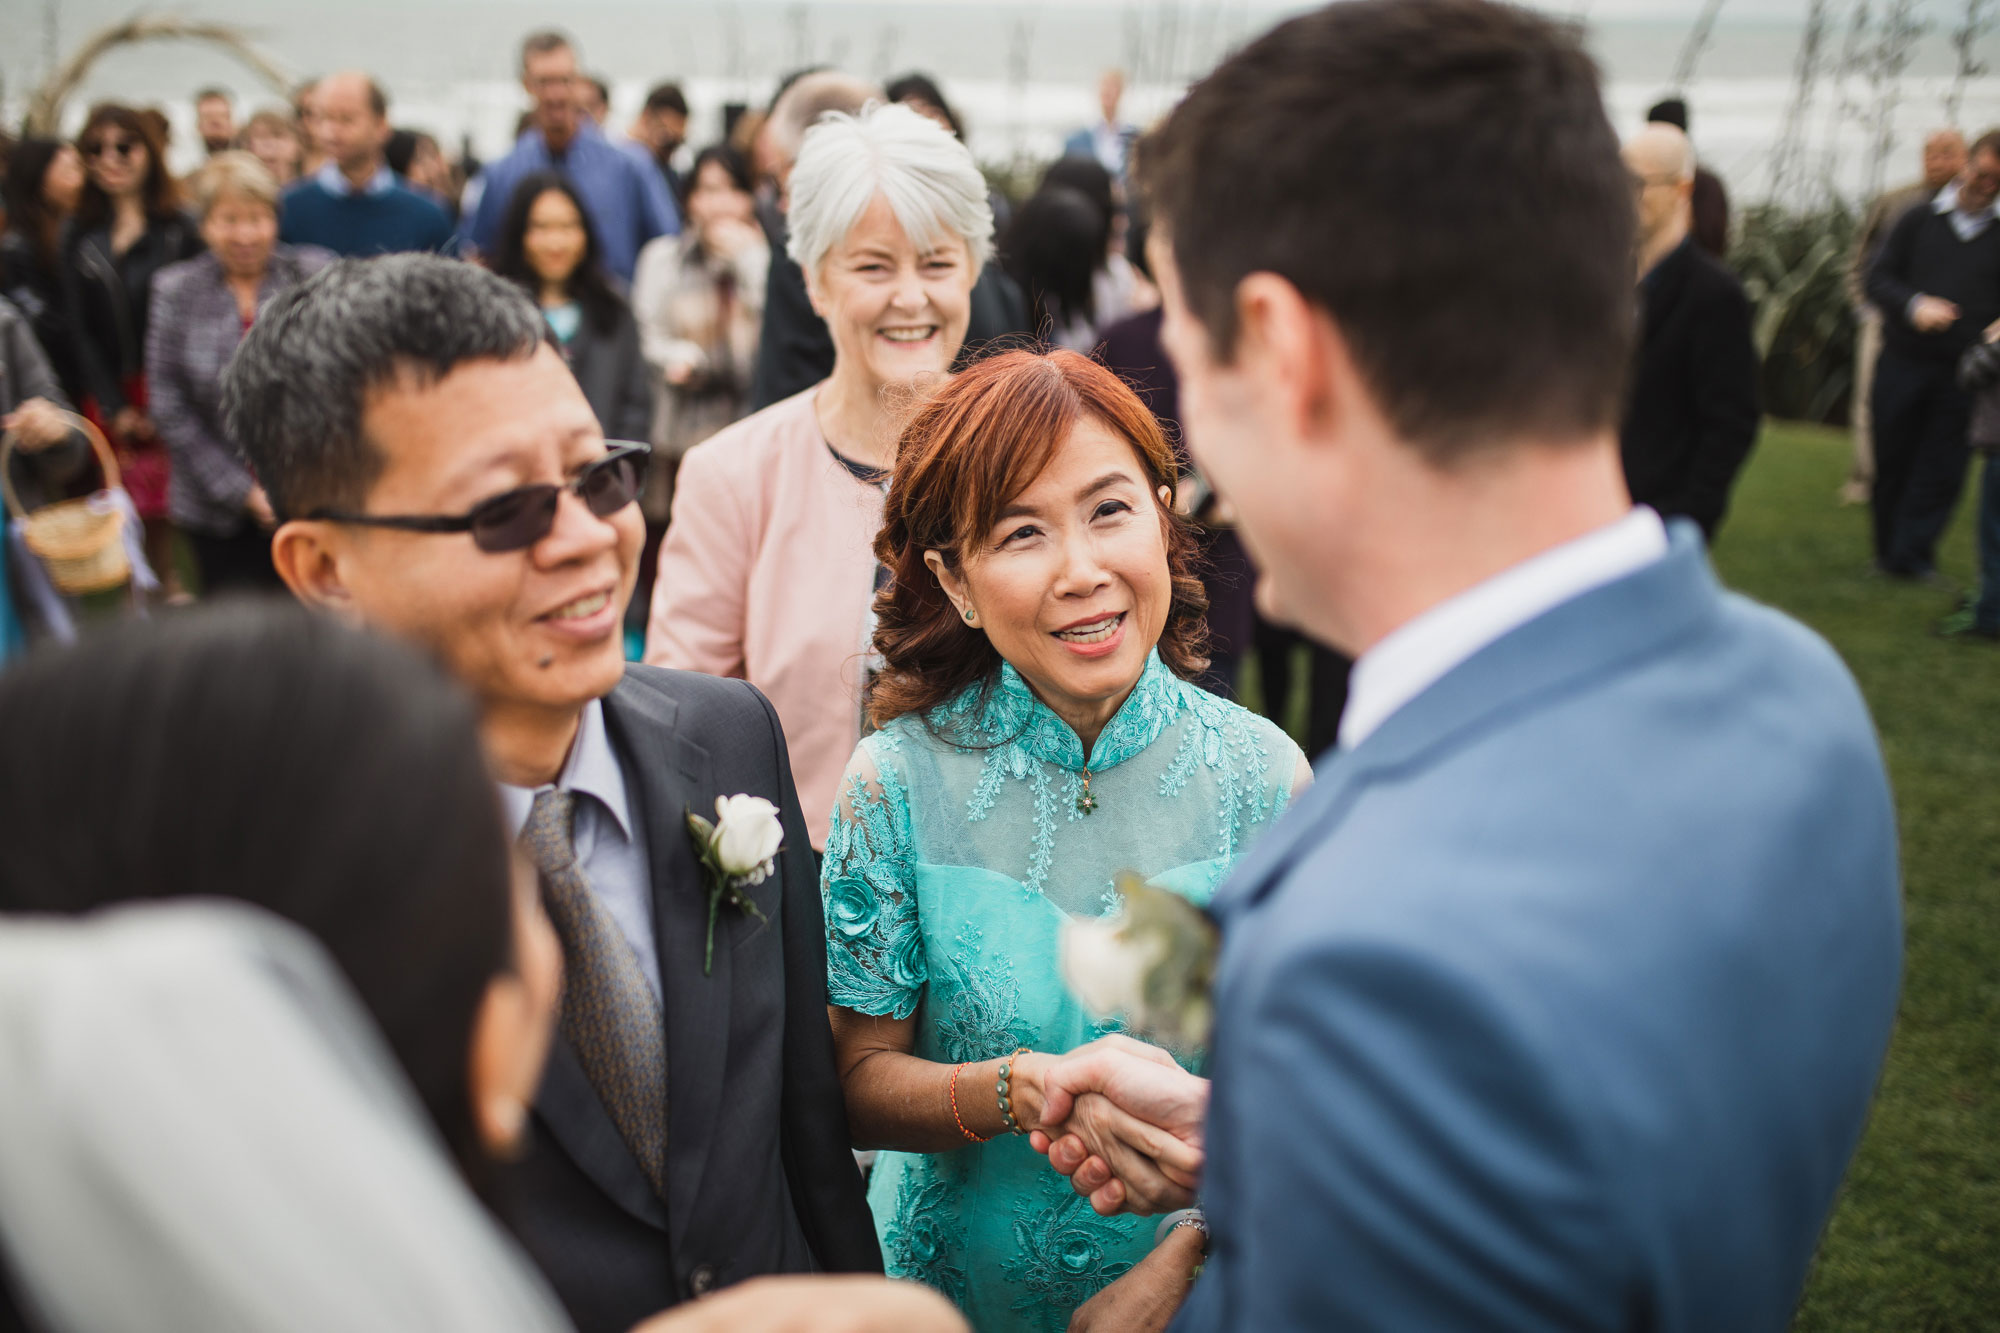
column 1794, row 269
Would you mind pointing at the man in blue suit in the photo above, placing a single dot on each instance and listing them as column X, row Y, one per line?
column 1558, row 1001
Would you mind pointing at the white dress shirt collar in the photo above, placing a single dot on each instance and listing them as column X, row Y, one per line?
column 334, row 182
column 1418, row 654
column 591, row 770
column 1966, row 224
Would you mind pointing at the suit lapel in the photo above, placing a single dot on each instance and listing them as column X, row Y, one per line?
column 668, row 777
column 1587, row 636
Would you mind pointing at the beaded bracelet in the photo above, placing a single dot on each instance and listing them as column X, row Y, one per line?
column 954, row 1109
column 1005, row 1093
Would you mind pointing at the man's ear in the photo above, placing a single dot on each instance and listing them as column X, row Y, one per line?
column 307, row 558
column 1293, row 345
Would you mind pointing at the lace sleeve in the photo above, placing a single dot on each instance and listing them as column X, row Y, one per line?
column 874, row 946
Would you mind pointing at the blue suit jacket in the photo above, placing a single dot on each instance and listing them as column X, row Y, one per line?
column 1558, row 1002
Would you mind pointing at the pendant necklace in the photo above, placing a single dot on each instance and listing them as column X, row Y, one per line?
column 1085, row 802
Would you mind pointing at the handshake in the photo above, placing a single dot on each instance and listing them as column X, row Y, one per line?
column 1124, row 1122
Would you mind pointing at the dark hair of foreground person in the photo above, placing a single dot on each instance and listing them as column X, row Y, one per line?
column 257, row 751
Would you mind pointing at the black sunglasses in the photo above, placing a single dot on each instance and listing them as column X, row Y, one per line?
column 517, row 519
column 119, row 147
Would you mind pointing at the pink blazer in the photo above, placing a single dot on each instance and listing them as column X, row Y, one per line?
column 767, row 573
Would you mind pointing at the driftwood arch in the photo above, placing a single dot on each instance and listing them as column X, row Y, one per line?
column 46, row 105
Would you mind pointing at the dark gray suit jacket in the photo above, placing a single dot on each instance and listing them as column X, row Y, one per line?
column 761, row 1178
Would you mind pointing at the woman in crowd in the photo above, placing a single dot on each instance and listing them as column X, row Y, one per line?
column 51, row 461
column 44, row 185
column 273, row 138
column 1039, row 734
column 546, row 244
column 260, row 1150
column 699, row 297
column 129, row 225
column 767, row 569
column 1118, row 288
column 202, row 307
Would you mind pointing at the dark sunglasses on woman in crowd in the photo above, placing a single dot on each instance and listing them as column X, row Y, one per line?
column 517, row 519
column 115, row 147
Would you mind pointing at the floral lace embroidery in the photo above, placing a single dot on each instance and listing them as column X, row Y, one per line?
column 1061, row 1247
column 978, row 1010
column 925, row 1239
column 874, row 942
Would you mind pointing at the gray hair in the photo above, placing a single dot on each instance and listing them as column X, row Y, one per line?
column 232, row 174
column 929, row 178
column 292, row 398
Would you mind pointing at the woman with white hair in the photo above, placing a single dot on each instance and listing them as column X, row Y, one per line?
column 767, row 571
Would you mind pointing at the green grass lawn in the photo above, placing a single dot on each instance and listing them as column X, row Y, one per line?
column 1914, row 1246
column 1915, row 1243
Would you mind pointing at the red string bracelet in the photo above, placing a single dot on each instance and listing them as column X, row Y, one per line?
column 954, row 1108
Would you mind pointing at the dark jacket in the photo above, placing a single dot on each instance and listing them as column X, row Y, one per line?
column 42, row 293
column 1979, row 375
column 1923, row 256
column 613, row 373
column 761, row 1178
column 795, row 351
column 195, row 329
column 113, row 301
column 59, row 472
column 1693, row 411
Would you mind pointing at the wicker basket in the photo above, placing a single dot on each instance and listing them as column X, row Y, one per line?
column 80, row 542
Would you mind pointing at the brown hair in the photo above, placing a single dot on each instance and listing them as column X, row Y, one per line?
column 974, row 446
column 162, row 194
column 1344, row 151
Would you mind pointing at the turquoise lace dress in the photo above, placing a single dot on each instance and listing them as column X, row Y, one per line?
column 956, row 852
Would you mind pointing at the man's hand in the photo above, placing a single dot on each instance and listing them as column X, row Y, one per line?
column 814, row 1305
column 1929, row 314
column 1107, row 1099
column 37, row 424
column 1146, row 1299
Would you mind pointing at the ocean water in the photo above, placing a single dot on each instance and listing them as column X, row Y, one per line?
column 1022, row 74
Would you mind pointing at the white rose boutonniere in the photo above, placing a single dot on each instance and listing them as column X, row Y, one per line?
column 1152, row 962
column 737, row 852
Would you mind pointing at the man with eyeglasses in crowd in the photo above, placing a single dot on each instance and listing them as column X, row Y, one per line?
column 441, row 476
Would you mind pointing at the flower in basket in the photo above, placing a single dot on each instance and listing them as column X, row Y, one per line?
column 737, row 852
column 1151, row 962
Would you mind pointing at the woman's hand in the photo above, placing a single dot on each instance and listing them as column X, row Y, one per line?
column 37, row 424
column 814, row 1305
column 1145, row 1299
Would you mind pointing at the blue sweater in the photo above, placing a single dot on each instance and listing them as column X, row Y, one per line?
column 374, row 223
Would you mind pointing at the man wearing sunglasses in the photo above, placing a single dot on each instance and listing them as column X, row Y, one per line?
column 440, row 475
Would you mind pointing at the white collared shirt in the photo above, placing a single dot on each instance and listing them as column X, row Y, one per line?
column 335, row 183
column 1966, row 225
column 1421, row 652
column 611, row 854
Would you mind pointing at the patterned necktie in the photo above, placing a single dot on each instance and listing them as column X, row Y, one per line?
column 610, row 1015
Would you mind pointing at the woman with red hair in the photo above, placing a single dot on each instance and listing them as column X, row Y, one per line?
column 1038, row 734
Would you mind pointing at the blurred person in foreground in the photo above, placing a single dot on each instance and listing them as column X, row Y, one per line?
column 355, row 205
column 1936, row 281
column 1944, row 158
column 130, row 223
column 628, row 205
column 1039, row 633
column 547, row 249
column 441, row 477
column 768, row 569
column 215, row 120
column 1691, row 413
column 795, row 349
column 1480, row 1049
column 335, row 1049
column 202, row 307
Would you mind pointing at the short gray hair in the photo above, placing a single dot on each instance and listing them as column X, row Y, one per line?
column 928, row 177
column 234, row 173
column 293, row 396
